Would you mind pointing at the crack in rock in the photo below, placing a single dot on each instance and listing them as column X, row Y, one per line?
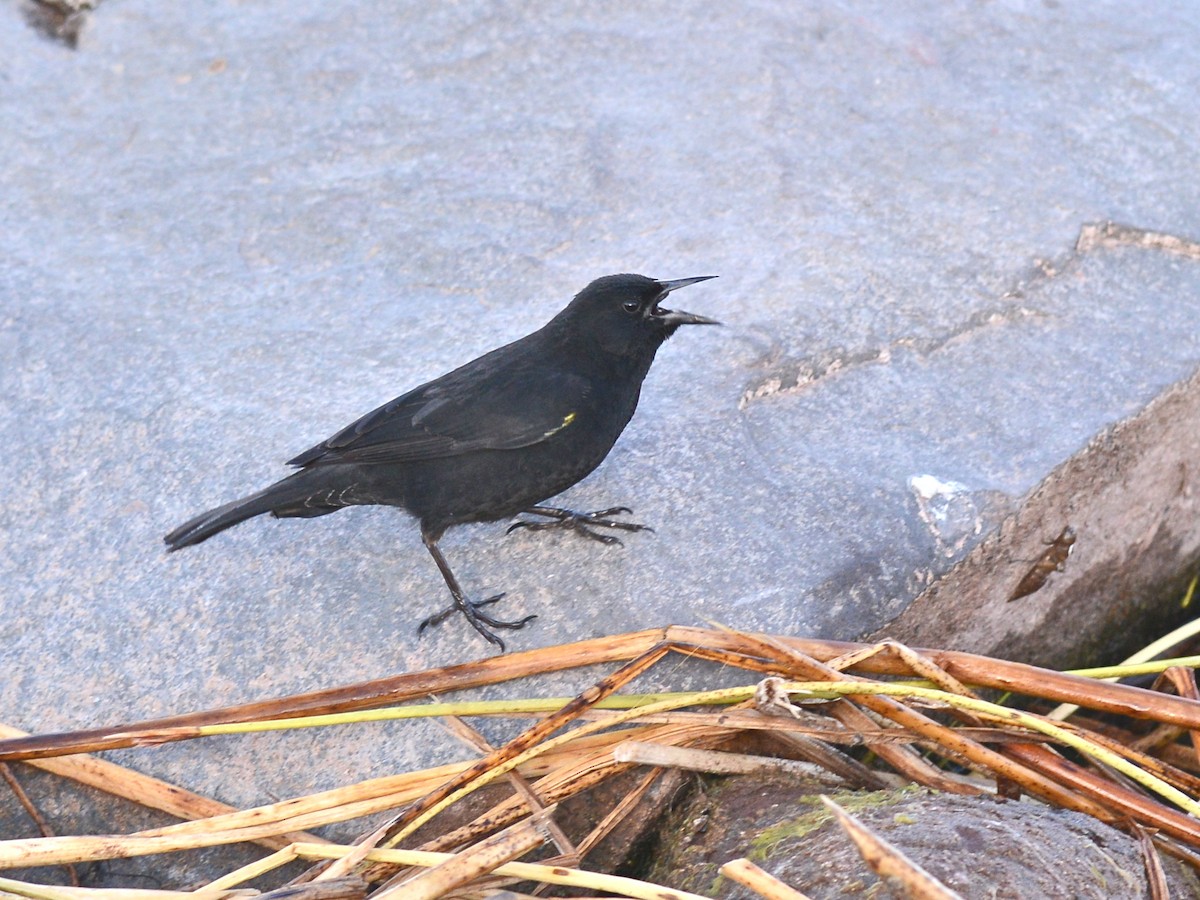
column 1113, row 234
column 792, row 375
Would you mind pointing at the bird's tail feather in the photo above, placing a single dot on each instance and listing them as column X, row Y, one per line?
column 286, row 497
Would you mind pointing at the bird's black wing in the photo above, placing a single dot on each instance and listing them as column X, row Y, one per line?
column 486, row 404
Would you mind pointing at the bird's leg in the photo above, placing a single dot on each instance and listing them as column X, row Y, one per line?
column 579, row 522
column 479, row 620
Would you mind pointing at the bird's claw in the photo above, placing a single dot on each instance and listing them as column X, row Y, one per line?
column 579, row 522
column 479, row 620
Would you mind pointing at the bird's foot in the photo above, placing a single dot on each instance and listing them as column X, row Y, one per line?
column 582, row 523
column 479, row 620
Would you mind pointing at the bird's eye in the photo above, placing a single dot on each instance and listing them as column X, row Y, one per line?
column 631, row 306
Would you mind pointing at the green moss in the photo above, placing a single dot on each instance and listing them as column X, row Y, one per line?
column 769, row 839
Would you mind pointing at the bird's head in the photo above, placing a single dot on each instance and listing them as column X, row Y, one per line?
column 624, row 313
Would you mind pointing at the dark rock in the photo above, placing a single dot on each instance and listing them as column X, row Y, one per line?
column 980, row 847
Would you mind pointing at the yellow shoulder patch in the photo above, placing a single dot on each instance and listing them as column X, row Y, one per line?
column 567, row 420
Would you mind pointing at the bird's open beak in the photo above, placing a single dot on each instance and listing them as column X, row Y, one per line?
column 677, row 317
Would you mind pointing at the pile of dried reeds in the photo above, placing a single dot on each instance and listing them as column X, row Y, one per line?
column 917, row 711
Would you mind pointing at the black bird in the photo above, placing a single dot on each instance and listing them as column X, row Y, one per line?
column 491, row 439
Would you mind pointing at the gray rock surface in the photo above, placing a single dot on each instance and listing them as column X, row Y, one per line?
column 230, row 229
column 978, row 847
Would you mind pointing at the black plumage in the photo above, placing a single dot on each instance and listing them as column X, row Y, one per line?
column 492, row 438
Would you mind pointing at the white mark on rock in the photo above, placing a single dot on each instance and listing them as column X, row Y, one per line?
column 948, row 510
